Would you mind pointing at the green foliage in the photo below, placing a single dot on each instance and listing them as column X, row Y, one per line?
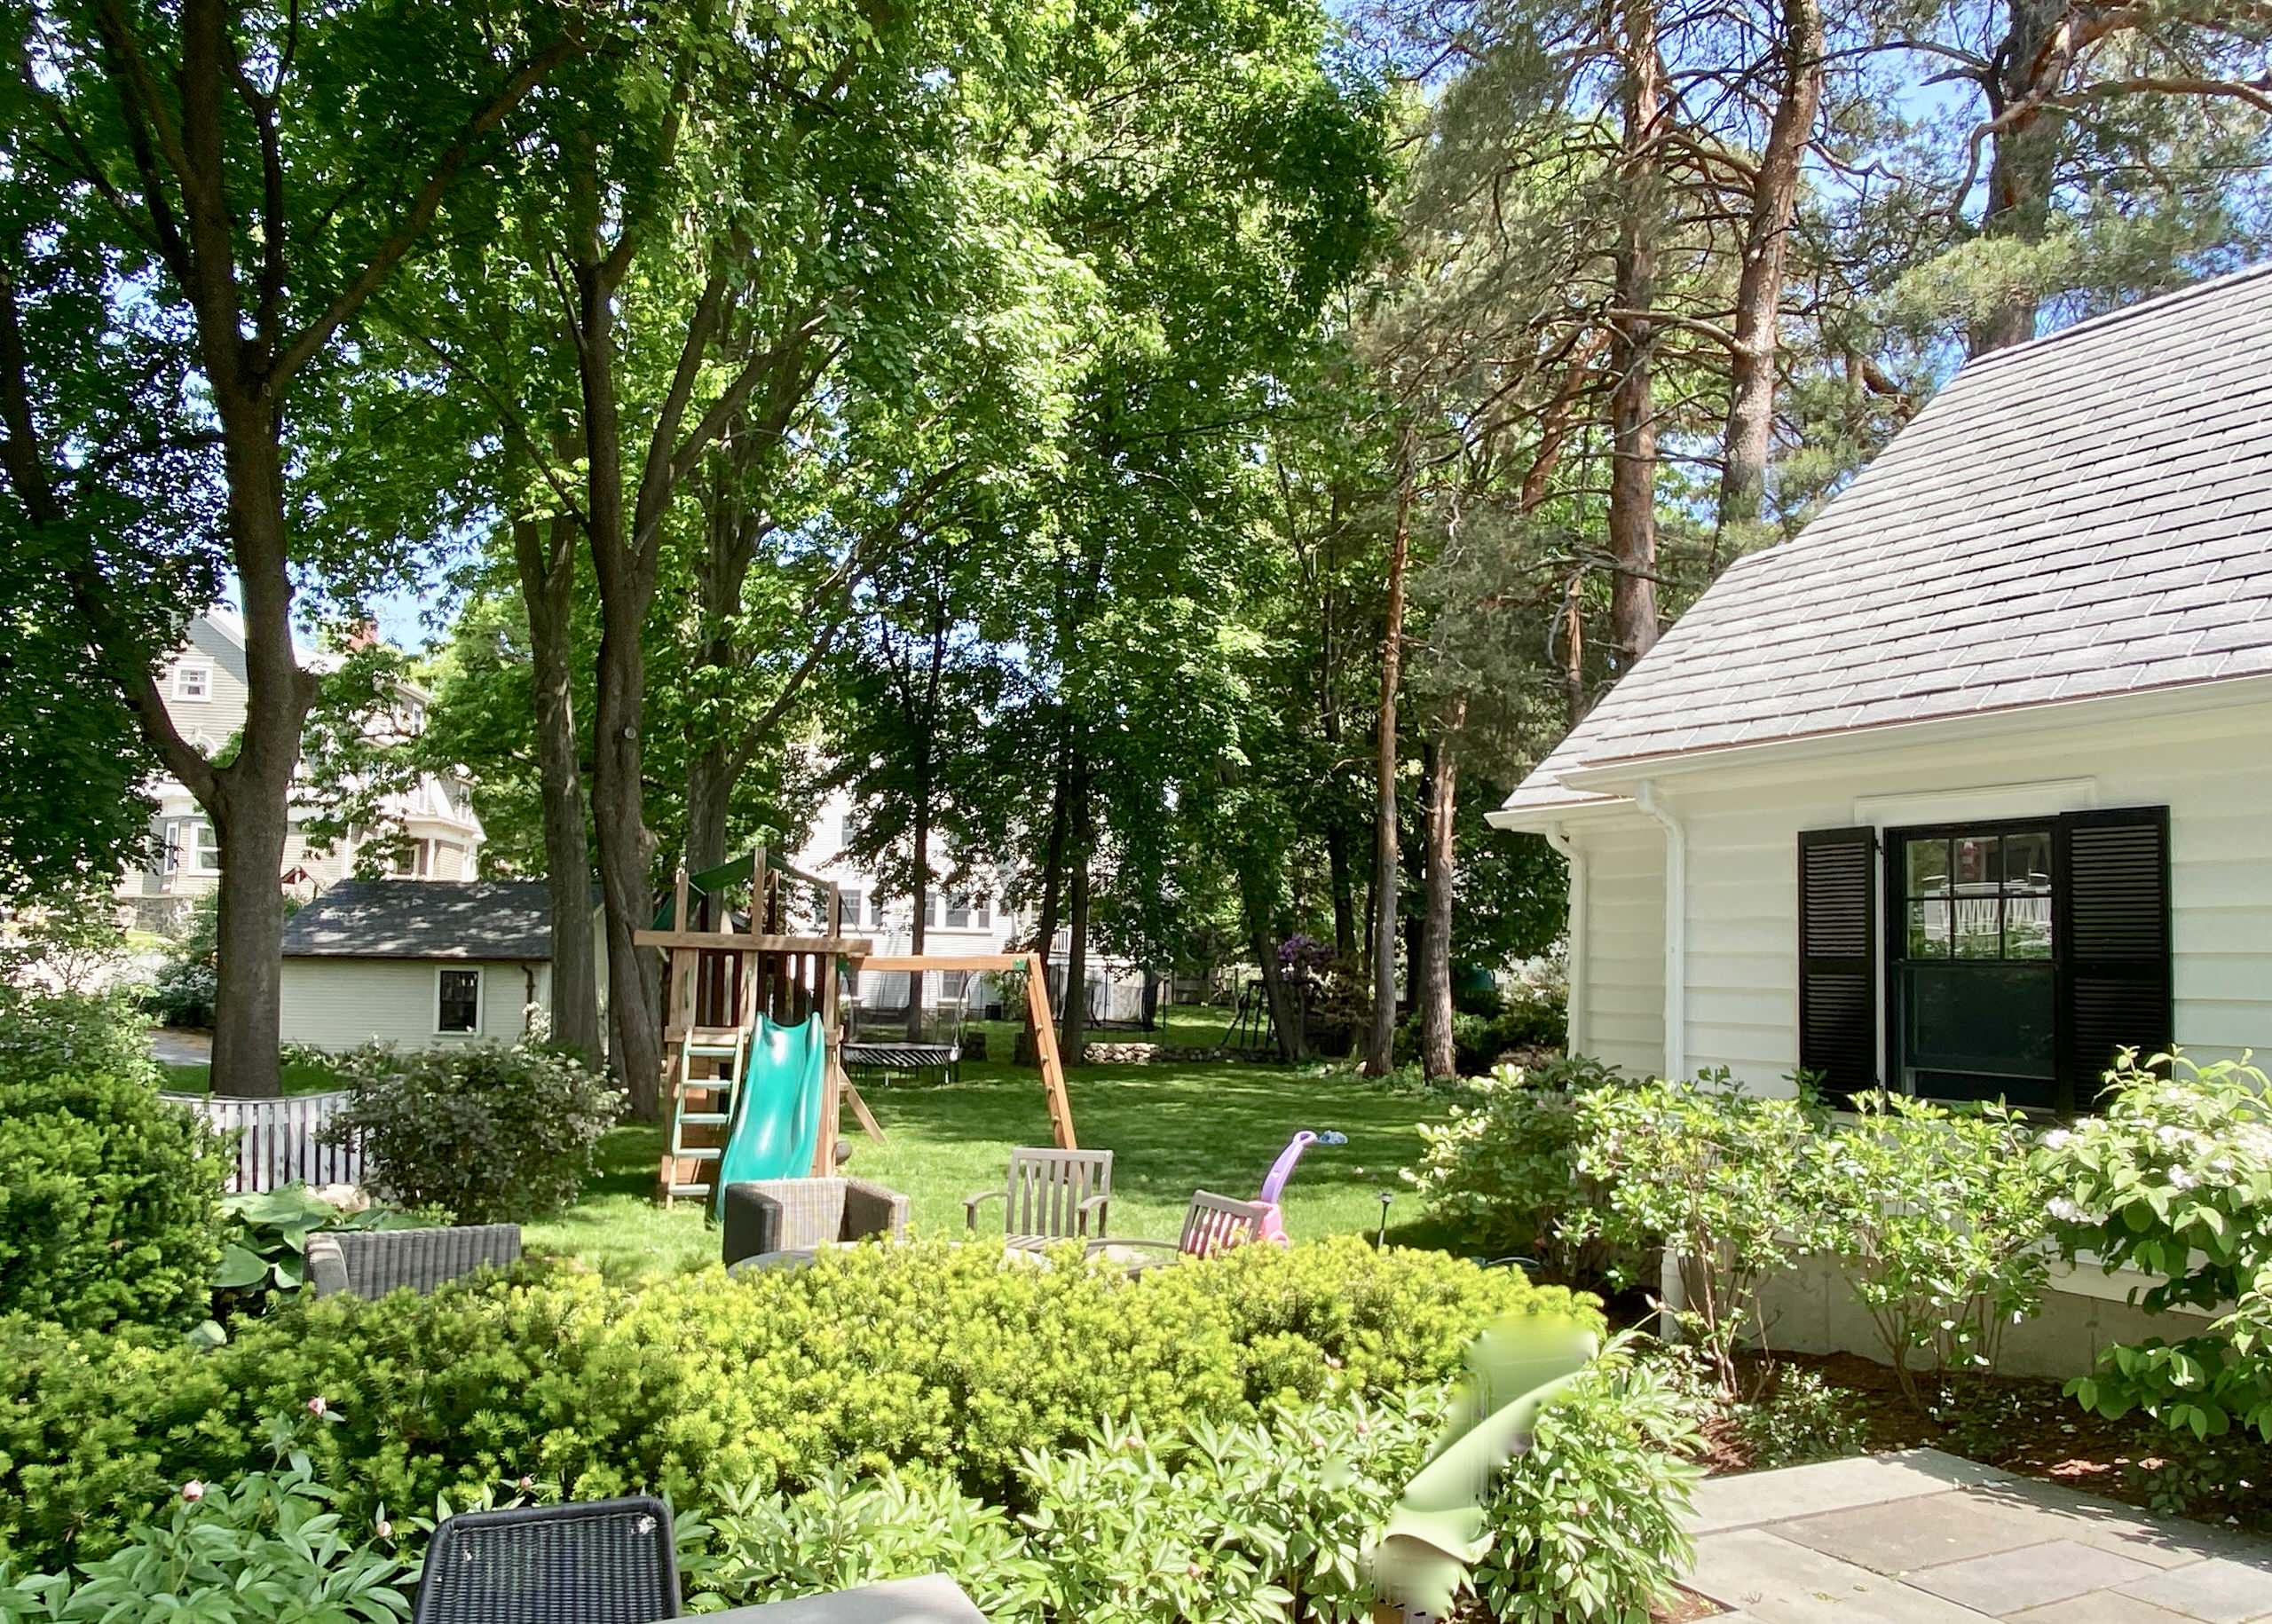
column 1504, row 1171
column 264, row 1242
column 267, row 1547
column 108, row 1200
column 1722, row 1178
column 1585, row 1525
column 183, row 993
column 2174, row 1178
column 1800, row 1419
column 929, row 1354
column 42, row 1033
column 1937, row 1216
column 490, row 1132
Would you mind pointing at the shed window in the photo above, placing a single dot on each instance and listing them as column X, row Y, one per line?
column 457, row 1001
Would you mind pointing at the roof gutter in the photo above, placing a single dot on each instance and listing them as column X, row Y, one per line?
column 1576, row 1035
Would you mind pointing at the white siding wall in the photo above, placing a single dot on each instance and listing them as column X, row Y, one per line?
column 2211, row 769
column 340, row 1003
column 1624, row 931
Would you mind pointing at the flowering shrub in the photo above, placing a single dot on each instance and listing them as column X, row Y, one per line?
column 492, row 1132
column 931, row 1354
column 2174, row 1177
column 1503, row 1170
column 1725, row 1180
column 1938, row 1215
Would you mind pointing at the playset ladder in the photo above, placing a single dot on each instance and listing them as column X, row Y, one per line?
column 711, row 1062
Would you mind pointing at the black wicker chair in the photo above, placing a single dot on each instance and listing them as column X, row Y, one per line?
column 604, row 1562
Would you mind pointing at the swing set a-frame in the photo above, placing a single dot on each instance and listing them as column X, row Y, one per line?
column 731, row 956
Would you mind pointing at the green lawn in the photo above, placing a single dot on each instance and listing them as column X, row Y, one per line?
column 196, row 1078
column 1172, row 1129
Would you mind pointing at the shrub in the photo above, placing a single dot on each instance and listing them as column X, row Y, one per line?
column 1938, row 1217
column 1503, row 1170
column 264, row 1242
column 1722, row 1178
column 2174, row 1177
column 1587, row 1525
column 268, row 1546
column 108, row 1199
column 1800, row 1419
column 189, row 975
column 490, row 1132
column 43, row 1033
column 929, row 1354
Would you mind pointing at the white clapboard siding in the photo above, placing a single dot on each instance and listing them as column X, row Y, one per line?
column 276, row 1143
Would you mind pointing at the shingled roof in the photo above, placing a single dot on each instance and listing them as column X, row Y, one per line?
column 2085, row 516
column 424, row 918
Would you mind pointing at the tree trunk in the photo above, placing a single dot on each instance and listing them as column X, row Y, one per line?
column 1380, row 1049
column 250, row 825
column 2022, row 167
column 1341, row 875
column 626, row 577
column 1412, row 879
column 709, row 793
column 1759, row 285
column 1633, row 430
column 1053, row 876
column 1439, row 1055
column 545, row 557
column 1285, row 1016
column 920, row 868
column 1073, row 1021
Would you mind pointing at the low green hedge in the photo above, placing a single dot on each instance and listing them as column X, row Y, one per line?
column 930, row 1354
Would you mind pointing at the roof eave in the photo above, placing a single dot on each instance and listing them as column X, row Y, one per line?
column 1617, row 778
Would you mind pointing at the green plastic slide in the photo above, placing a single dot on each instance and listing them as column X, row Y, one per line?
column 778, row 1109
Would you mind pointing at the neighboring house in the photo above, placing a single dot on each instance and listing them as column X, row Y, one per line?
column 204, row 688
column 420, row 964
column 1969, row 783
column 959, row 924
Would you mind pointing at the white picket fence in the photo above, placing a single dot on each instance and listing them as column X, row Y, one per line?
column 277, row 1142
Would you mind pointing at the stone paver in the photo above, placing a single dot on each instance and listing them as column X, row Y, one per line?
column 2011, row 1581
column 1832, row 1486
column 2071, row 1514
column 2222, row 1590
column 2098, row 1607
column 1924, row 1532
column 1775, row 1581
column 1925, row 1538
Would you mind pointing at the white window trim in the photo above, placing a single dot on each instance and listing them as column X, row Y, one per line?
column 204, row 670
column 190, row 853
column 480, row 994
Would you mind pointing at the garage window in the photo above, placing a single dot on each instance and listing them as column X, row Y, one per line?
column 457, row 1001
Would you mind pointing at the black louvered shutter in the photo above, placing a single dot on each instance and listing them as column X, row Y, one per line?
column 2112, row 921
column 1838, row 958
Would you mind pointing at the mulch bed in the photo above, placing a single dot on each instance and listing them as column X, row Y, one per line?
column 2028, row 1426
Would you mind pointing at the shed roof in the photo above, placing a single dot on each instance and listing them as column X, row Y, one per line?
column 2084, row 515
column 424, row 918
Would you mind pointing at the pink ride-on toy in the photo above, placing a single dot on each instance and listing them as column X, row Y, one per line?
column 1273, row 1185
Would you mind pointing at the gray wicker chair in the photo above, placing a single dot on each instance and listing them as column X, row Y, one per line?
column 787, row 1215
column 603, row 1562
column 373, row 1262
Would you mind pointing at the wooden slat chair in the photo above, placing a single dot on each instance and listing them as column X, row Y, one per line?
column 1052, row 1195
column 1212, row 1223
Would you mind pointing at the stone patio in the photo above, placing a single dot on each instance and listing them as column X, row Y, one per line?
column 1926, row 1538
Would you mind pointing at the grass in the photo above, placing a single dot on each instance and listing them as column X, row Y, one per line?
column 196, row 1078
column 1173, row 1129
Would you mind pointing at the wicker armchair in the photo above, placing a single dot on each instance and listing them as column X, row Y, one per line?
column 784, row 1215
column 604, row 1562
column 373, row 1262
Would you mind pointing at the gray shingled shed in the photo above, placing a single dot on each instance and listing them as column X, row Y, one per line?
column 417, row 963
column 1969, row 783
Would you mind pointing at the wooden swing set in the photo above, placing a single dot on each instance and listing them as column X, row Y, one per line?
column 723, row 975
